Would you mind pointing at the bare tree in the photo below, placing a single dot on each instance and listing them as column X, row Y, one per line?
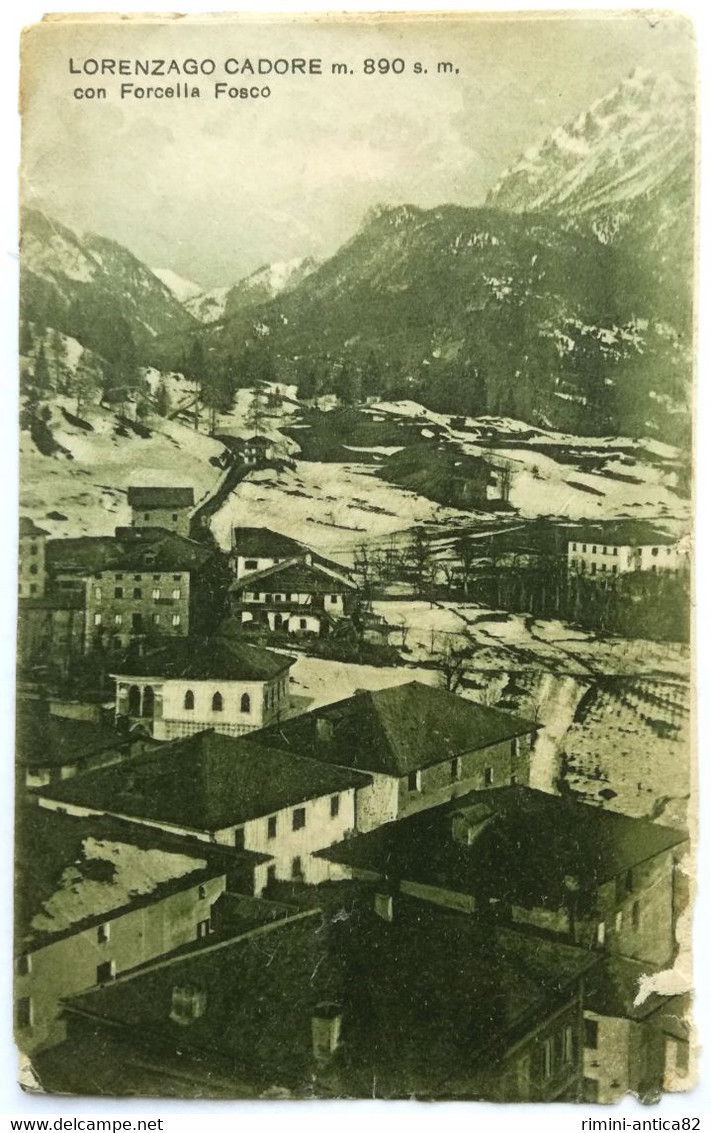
column 505, row 481
column 451, row 659
column 465, row 550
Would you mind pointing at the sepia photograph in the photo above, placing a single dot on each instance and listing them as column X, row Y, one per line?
column 355, row 720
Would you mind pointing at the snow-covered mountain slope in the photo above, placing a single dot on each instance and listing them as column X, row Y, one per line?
column 182, row 289
column 94, row 289
column 622, row 148
column 208, row 306
column 267, row 282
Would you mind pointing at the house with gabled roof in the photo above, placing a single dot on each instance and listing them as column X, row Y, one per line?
column 421, row 746
column 231, row 791
column 299, row 595
column 169, row 508
column 258, row 548
column 194, row 683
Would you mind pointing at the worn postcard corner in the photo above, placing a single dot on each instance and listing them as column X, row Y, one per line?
column 354, row 698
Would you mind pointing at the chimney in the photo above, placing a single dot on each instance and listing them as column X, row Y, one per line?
column 326, row 1021
column 383, row 905
column 468, row 823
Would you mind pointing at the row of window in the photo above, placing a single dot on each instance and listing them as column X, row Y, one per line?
column 253, row 596
column 147, row 516
column 118, row 620
column 557, row 1052
column 605, row 550
column 218, row 702
column 636, row 919
column 137, row 592
column 298, row 817
column 593, row 566
column 140, row 577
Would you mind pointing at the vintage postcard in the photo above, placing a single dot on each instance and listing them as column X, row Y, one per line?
column 354, row 707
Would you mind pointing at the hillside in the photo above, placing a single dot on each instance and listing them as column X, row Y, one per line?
column 96, row 291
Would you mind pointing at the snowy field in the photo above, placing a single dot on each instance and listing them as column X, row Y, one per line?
column 332, row 507
column 90, row 489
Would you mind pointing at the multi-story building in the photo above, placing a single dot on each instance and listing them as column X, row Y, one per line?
column 599, row 879
column 257, row 549
column 233, row 792
column 345, row 1012
column 32, row 571
column 297, row 596
column 198, row 683
column 621, row 548
column 145, row 582
column 420, row 745
column 169, row 508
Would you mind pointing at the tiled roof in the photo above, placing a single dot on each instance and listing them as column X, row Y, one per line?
column 160, row 498
column 295, row 576
column 397, row 730
column 45, row 740
column 206, row 782
column 209, row 658
column 530, row 846
column 132, row 548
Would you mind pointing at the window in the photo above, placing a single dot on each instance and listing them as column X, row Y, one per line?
column 296, row 872
column 105, row 972
column 118, row 592
column 629, row 881
column 590, row 1034
column 245, row 703
column 272, row 826
column 271, row 874
column 488, row 776
column 604, row 550
column 217, row 702
column 618, row 922
column 547, row 1058
column 118, row 577
column 613, row 568
column 97, row 619
column 202, row 892
column 146, row 515
column 189, row 700
column 156, row 578
column 33, row 588
column 414, row 781
column 635, row 914
column 600, row 936
column 97, row 593
column 335, row 805
column 176, row 619
column 155, row 593
column 334, row 599
column 203, row 929
column 24, row 964
column 277, row 597
column 655, row 551
column 514, row 747
column 23, row 1011
column 250, row 564
column 175, row 517
column 593, row 568
column 604, row 566
column 614, row 550
column 568, row 1046
column 118, row 620
column 585, row 546
column 102, row 933
column 298, row 818
column 455, row 770
column 594, row 550
column 239, row 838
column 575, row 546
column 156, row 619
column 33, row 548
column 302, row 623
column 137, row 622
column 176, row 594
column 137, row 577
column 176, row 578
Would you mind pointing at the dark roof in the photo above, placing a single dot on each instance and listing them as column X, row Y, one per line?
column 530, row 847
column 205, row 782
column 295, row 576
column 621, row 533
column 132, row 548
column 396, row 730
column 613, row 988
column 29, row 527
column 149, row 498
column 262, row 543
column 422, row 998
column 209, row 658
column 45, row 740
column 57, row 600
column 48, row 841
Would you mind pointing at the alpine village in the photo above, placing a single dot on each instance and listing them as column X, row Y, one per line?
column 353, row 719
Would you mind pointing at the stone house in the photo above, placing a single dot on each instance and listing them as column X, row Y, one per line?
column 198, row 683
column 420, row 746
column 32, row 571
column 169, row 508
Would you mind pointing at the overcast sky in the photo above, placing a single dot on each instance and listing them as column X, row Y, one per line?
column 213, row 189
